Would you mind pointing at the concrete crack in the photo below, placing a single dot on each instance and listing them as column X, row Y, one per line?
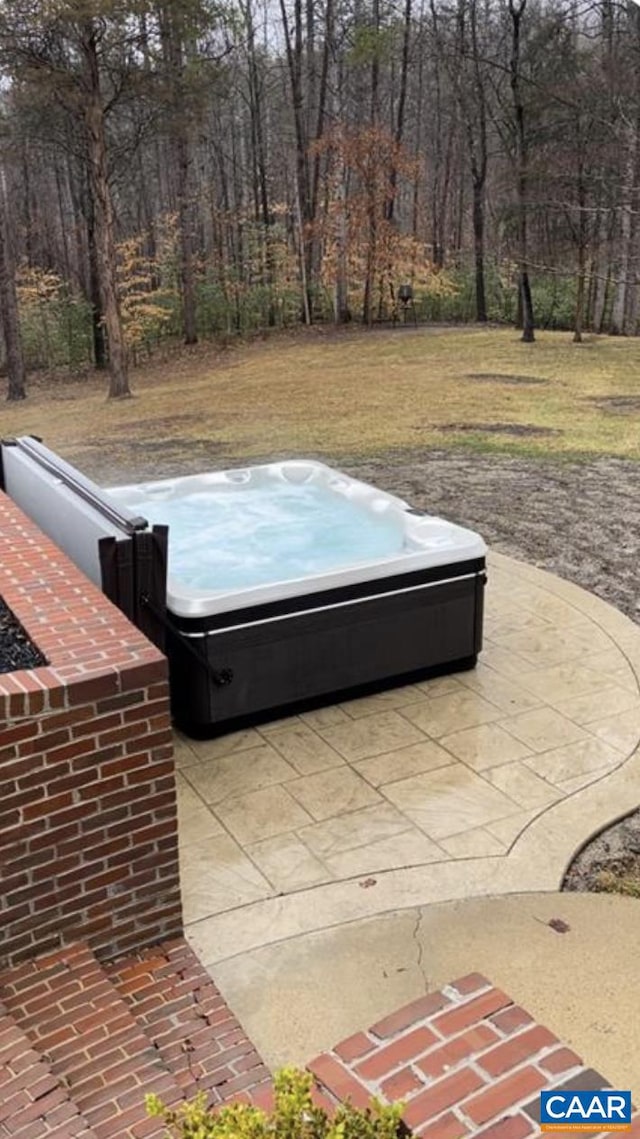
column 420, row 949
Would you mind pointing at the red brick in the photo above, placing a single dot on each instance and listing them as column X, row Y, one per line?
column 156, row 691
column 402, row 1084
column 263, row 1097
column 409, row 1014
column 91, row 727
column 18, row 732
column 441, row 1095
column 39, row 744
column 511, row 1127
column 471, row 1012
column 337, row 1079
column 560, row 1061
column 405, row 1048
column 122, row 700
column 516, row 1050
column 70, row 750
column 93, row 688
column 354, row 1047
column 119, row 735
column 474, row 1040
column 446, row 1127
column 51, row 723
column 511, row 1019
column 323, row 1100
column 471, row 983
column 144, row 674
column 503, row 1095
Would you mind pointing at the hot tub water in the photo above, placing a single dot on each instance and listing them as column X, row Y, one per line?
column 259, row 534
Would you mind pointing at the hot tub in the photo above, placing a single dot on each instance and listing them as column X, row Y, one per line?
column 291, row 584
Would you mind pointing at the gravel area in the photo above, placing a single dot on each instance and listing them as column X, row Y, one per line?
column 16, row 650
column 609, row 863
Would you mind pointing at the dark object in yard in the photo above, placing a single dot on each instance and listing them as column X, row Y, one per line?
column 17, row 651
column 501, row 428
column 405, row 297
column 558, row 925
column 616, row 403
column 499, row 378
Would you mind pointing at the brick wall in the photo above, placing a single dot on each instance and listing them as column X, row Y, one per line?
column 88, row 831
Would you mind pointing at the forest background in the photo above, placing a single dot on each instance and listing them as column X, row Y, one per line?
column 175, row 171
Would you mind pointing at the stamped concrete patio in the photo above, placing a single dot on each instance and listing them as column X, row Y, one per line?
column 481, row 783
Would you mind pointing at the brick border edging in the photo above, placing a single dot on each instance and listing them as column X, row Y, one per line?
column 466, row 1061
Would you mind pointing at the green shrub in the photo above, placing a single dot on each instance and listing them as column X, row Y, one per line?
column 553, row 298
column 294, row 1116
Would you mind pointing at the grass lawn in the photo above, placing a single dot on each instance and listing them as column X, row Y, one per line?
column 355, row 393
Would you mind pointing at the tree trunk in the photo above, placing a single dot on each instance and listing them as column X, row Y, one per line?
column 478, row 245
column 583, row 237
column 579, row 316
column 95, row 297
column 619, row 308
column 294, row 52
column 261, row 189
column 516, row 11
column 629, row 147
column 9, row 310
column 182, row 159
column 402, row 102
column 479, row 158
column 180, row 129
column 103, row 206
column 341, row 302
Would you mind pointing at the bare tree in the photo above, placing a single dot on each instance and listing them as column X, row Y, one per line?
column 9, row 317
column 89, row 38
column 63, row 59
column 516, row 13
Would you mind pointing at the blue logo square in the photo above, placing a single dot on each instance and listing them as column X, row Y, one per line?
column 585, row 1110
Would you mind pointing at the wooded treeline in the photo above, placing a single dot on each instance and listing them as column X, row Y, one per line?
column 206, row 167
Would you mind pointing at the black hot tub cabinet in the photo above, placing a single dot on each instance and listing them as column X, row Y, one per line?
column 250, row 650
